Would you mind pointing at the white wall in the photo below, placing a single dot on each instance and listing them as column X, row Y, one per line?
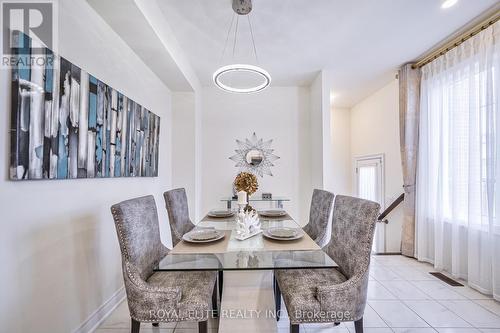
column 341, row 151
column 320, row 132
column 58, row 246
column 184, row 146
column 375, row 130
column 326, row 128
column 279, row 113
column 198, row 153
column 316, row 132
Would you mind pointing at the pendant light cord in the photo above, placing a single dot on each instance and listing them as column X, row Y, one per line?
column 253, row 40
column 235, row 36
column 227, row 39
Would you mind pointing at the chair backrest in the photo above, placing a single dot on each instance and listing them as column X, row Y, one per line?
column 319, row 216
column 136, row 222
column 353, row 227
column 178, row 213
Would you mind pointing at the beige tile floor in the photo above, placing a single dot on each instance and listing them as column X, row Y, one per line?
column 402, row 298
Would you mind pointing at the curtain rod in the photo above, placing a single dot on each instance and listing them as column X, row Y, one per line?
column 457, row 41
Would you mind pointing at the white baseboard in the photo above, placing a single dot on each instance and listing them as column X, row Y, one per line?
column 99, row 315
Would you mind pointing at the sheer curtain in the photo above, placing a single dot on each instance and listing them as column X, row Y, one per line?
column 458, row 174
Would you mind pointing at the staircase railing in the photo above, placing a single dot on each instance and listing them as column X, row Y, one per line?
column 388, row 210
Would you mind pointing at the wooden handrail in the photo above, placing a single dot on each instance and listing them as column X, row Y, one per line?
column 391, row 207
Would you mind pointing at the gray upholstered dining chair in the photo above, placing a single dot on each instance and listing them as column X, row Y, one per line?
column 180, row 223
column 335, row 295
column 178, row 214
column 157, row 296
column 319, row 216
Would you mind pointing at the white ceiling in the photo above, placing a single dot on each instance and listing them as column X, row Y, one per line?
column 360, row 42
column 143, row 39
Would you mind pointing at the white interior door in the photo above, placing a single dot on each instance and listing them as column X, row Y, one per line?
column 370, row 186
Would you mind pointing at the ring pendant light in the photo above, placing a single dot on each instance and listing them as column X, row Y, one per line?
column 241, row 8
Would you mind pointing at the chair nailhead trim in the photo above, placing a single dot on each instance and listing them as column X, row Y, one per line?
column 120, row 232
column 123, row 246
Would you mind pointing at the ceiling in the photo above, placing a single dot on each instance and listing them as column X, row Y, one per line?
column 360, row 43
column 143, row 39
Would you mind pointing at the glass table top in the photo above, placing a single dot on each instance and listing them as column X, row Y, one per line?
column 254, row 253
column 246, row 260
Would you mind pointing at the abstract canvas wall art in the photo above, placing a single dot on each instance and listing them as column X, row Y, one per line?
column 65, row 123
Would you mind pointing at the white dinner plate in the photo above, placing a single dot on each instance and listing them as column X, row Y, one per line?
column 283, row 233
column 203, row 236
column 273, row 213
column 220, row 213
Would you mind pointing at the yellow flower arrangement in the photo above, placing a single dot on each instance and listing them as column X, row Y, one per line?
column 246, row 181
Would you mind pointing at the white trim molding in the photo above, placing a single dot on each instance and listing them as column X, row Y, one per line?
column 103, row 312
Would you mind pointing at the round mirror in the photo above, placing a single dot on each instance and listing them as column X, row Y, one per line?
column 254, row 157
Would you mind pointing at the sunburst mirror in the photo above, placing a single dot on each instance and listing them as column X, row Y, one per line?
column 255, row 155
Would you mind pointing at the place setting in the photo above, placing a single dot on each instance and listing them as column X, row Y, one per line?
column 273, row 213
column 221, row 213
column 203, row 235
column 283, row 233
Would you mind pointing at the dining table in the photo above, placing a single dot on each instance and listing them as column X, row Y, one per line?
column 246, row 267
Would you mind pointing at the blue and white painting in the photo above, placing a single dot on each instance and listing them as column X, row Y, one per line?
column 65, row 123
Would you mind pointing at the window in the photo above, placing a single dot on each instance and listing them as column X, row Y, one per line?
column 468, row 143
column 458, row 166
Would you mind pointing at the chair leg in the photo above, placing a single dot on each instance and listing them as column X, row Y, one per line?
column 215, row 306
column 294, row 328
column 277, row 298
column 203, row 326
column 358, row 325
column 221, row 283
column 136, row 326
